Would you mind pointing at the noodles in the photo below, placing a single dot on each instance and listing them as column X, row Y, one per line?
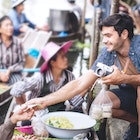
column 59, row 122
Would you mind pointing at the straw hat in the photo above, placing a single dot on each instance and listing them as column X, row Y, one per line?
column 16, row 2
column 50, row 50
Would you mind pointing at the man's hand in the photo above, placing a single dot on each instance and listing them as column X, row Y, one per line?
column 114, row 78
column 38, row 102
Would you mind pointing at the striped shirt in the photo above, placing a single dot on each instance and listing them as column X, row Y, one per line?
column 12, row 57
column 35, row 84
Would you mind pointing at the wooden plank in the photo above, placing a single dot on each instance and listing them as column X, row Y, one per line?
column 72, row 36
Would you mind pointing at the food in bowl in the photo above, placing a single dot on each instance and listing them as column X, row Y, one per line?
column 82, row 123
column 60, row 122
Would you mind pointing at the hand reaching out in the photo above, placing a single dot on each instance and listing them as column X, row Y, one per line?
column 22, row 114
column 38, row 102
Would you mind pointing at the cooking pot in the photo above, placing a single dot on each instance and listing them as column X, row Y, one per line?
column 63, row 20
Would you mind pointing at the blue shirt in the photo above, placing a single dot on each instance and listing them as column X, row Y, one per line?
column 109, row 58
column 18, row 21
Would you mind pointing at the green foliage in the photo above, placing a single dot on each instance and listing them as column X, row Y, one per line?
column 97, row 125
column 81, row 45
column 94, row 93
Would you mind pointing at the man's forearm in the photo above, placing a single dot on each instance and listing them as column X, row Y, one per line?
column 71, row 89
column 132, row 79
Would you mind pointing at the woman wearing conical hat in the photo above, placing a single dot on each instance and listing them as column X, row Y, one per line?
column 52, row 76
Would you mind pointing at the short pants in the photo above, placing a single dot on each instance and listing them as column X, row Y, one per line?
column 128, row 97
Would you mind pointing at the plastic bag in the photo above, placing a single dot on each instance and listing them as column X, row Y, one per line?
column 39, row 127
column 101, row 107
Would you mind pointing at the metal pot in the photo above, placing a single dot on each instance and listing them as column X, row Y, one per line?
column 63, row 20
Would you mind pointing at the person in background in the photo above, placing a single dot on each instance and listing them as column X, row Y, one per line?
column 75, row 17
column 7, row 129
column 92, row 2
column 75, row 7
column 121, row 52
column 52, row 76
column 20, row 21
column 12, row 57
column 134, row 12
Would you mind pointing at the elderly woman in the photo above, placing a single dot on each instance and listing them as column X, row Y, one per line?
column 11, row 53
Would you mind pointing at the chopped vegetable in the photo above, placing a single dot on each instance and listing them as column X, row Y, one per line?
column 60, row 122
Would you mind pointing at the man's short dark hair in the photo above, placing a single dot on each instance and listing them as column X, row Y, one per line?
column 120, row 22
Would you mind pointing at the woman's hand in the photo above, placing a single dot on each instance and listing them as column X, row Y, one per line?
column 23, row 114
column 4, row 77
column 24, row 28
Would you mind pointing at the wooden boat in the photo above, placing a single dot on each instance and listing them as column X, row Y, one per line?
column 71, row 36
column 35, row 40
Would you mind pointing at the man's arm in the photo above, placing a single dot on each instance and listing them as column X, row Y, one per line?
column 68, row 91
column 119, row 77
